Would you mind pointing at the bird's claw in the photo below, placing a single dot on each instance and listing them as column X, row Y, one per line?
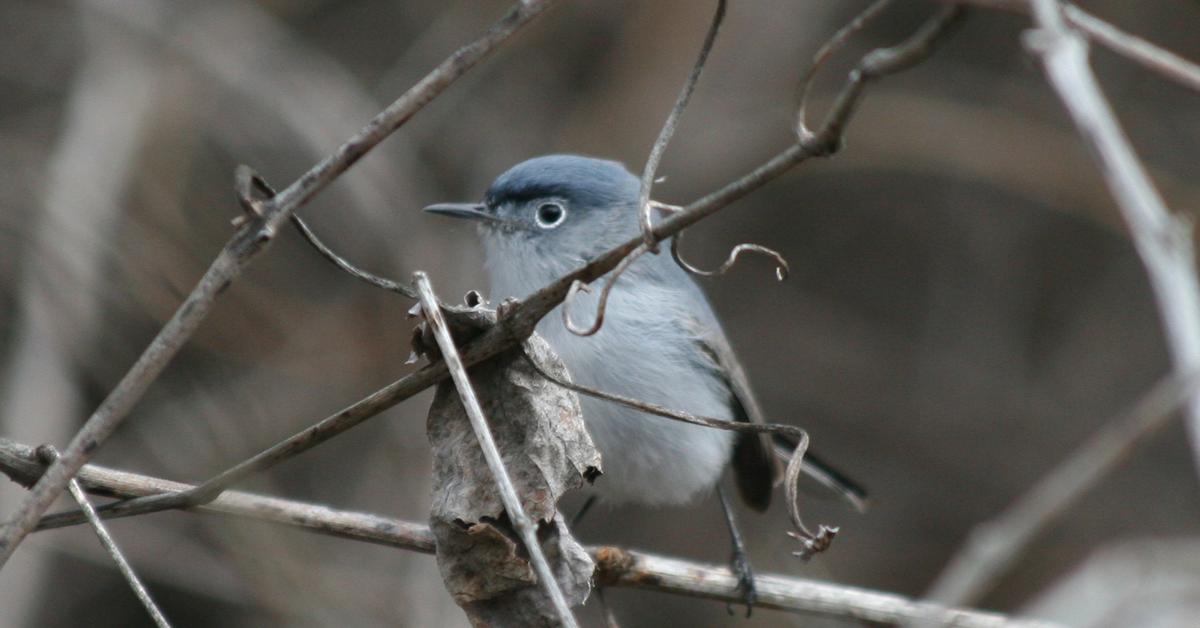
column 740, row 565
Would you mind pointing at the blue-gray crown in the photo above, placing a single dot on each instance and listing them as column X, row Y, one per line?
column 582, row 181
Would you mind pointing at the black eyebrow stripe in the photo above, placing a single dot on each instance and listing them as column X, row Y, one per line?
column 527, row 193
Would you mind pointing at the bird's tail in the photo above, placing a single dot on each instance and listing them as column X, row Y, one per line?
column 827, row 476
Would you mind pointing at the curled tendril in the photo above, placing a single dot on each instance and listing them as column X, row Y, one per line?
column 837, row 41
column 781, row 265
column 810, row 543
column 577, row 286
column 781, row 272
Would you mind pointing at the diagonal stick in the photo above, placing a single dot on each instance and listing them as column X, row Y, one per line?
column 49, row 454
column 251, row 239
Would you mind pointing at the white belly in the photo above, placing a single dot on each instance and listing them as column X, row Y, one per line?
column 645, row 458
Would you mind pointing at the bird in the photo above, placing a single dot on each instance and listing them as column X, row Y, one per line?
column 660, row 341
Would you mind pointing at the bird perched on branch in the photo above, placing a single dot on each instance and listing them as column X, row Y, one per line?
column 660, row 340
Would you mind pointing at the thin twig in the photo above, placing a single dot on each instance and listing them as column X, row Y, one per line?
column 249, row 240
column 602, row 301
column 247, row 182
column 520, row 320
column 1163, row 240
column 645, row 205
column 742, row 427
column 668, row 129
column 995, row 546
column 616, row 567
column 390, row 285
column 876, row 64
column 823, row 54
column 1148, row 55
column 48, row 454
column 432, row 312
column 826, row 141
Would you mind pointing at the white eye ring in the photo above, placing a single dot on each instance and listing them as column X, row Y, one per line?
column 550, row 215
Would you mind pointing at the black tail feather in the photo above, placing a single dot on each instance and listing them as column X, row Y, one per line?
column 825, row 474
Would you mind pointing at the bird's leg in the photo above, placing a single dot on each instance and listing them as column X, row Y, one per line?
column 610, row 620
column 583, row 510
column 739, row 563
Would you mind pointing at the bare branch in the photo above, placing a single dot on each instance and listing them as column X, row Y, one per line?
column 668, row 129
column 1132, row 47
column 508, row 493
column 994, row 546
column 22, row 463
column 48, row 454
column 519, row 321
column 876, row 64
column 250, row 240
column 616, row 567
column 1163, row 240
column 1146, row 54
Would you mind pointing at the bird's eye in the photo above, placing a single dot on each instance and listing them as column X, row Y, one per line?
column 550, row 215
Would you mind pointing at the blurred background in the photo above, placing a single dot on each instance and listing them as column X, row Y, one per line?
column 965, row 307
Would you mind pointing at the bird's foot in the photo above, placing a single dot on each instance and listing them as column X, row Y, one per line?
column 740, row 565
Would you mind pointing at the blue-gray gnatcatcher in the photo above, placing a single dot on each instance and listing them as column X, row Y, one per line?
column 660, row 341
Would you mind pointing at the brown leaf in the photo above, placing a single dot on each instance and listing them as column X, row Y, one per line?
column 547, row 451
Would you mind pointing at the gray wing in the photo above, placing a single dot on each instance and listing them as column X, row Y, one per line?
column 754, row 455
column 754, row 464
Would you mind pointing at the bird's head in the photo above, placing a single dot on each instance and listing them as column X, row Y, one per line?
column 553, row 213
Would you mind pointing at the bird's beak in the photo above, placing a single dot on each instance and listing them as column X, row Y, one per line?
column 473, row 211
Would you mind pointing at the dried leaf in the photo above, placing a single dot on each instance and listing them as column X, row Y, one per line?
column 541, row 437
